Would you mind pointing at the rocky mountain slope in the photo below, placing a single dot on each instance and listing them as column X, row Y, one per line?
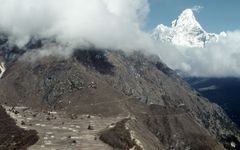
column 185, row 32
column 155, row 109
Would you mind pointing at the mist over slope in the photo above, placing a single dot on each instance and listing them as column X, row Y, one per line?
column 102, row 23
column 116, row 24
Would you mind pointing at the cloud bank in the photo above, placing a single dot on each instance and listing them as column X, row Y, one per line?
column 217, row 59
column 102, row 23
column 112, row 24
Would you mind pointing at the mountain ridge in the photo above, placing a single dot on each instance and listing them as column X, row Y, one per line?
column 111, row 83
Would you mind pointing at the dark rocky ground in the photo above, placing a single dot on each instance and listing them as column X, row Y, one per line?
column 13, row 137
column 162, row 111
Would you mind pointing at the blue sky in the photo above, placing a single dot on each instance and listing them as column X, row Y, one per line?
column 216, row 15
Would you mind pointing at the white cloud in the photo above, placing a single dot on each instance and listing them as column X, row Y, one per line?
column 219, row 59
column 103, row 23
column 197, row 8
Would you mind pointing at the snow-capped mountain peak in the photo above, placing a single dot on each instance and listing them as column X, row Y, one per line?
column 185, row 31
column 186, row 19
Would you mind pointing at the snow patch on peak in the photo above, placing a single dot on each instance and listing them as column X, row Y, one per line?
column 186, row 19
column 185, row 32
column 2, row 69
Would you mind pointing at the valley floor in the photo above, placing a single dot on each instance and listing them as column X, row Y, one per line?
column 57, row 131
